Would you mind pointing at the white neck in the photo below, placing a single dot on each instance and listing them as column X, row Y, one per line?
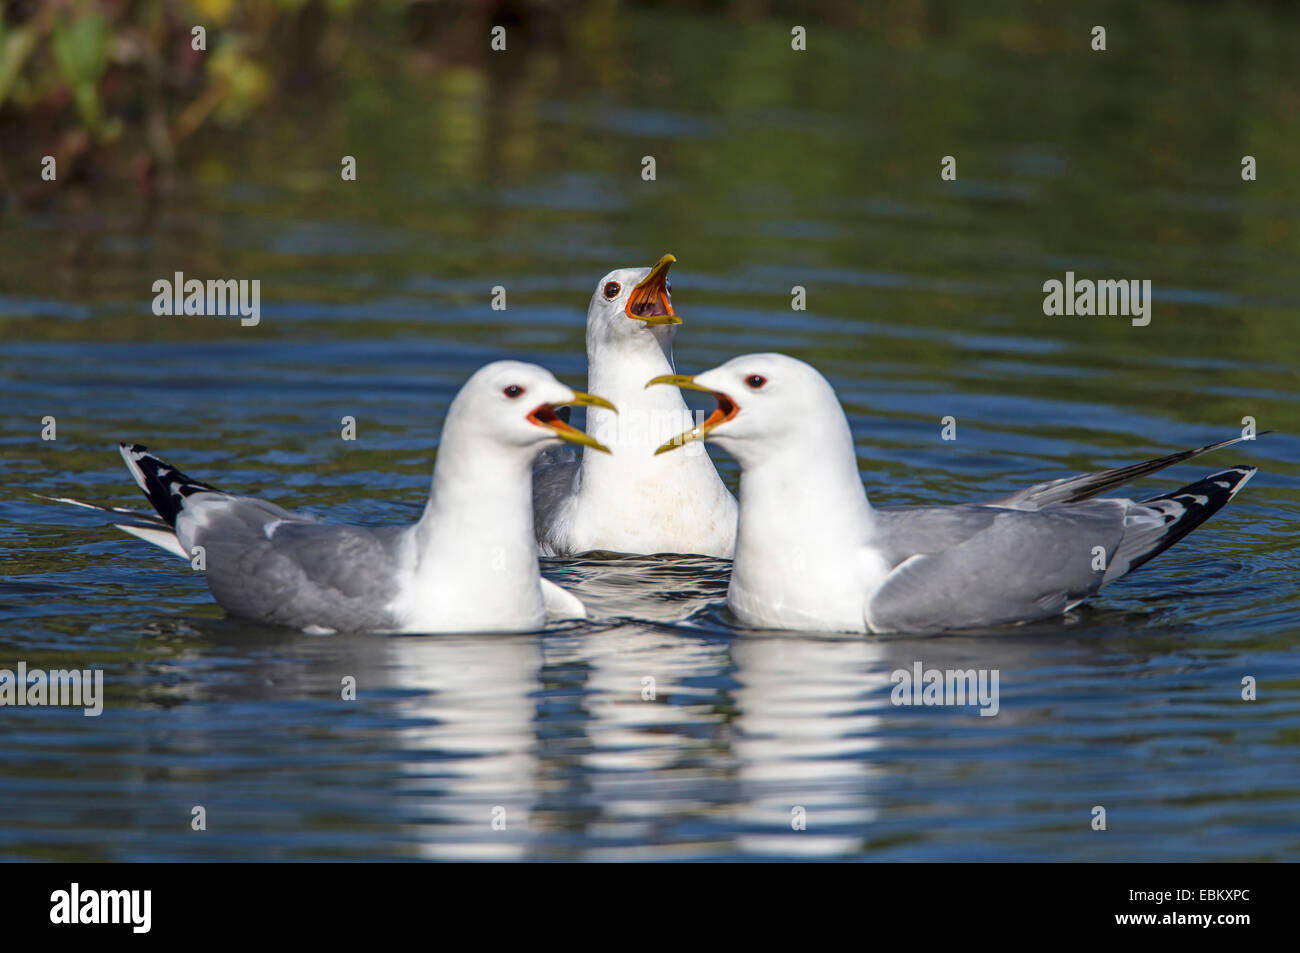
column 647, row 417
column 621, row 367
column 480, row 497
column 798, row 496
column 802, row 557
column 474, row 544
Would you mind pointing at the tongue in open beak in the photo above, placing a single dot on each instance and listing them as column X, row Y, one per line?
column 649, row 300
column 549, row 417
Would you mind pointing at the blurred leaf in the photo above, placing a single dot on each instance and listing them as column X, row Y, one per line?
column 246, row 82
column 81, row 47
column 81, row 50
column 213, row 12
column 15, row 46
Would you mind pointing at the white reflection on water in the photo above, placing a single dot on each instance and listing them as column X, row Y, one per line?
column 662, row 722
column 805, row 728
column 471, row 734
column 652, row 722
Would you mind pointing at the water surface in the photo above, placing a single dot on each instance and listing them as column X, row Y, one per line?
column 924, row 301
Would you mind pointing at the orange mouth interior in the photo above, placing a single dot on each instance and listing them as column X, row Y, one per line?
column 650, row 300
column 726, row 409
column 546, row 416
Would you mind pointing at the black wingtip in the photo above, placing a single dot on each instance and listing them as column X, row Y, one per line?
column 1189, row 506
column 166, row 487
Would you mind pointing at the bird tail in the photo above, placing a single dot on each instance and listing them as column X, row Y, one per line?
column 1085, row 486
column 1180, row 512
column 165, row 486
column 147, row 526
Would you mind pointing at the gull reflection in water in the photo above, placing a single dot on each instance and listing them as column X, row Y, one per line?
column 651, row 697
column 808, row 714
column 470, row 729
column 635, row 741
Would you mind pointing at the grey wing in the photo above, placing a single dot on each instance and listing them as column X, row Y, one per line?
column 1087, row 485
column 267, row 564
column 555, row 486
column 1012, row 566
column 906, row 531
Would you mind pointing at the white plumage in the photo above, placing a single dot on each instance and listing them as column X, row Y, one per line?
column 633, row 501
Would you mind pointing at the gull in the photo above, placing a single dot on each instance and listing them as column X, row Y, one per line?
column 633, row 501
column 813, row 554
column 468, row 565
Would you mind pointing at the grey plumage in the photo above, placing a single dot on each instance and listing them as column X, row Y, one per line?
column 264, row 562
column 314, row 570
column 555, row 483
column 977, row 565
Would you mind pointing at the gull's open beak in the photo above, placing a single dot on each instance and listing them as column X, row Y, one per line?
column 649, row 300
column 545, row 416
column 726, row 409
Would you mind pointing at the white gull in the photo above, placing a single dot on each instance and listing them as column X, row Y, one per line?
column 812, row 553
column 633, row 501
column 470, row 564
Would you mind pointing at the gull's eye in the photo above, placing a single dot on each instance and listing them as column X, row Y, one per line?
column 513, row 391
column 612, row 288
column 755, row 381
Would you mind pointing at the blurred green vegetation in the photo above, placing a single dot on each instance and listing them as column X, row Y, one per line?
column 112, row 88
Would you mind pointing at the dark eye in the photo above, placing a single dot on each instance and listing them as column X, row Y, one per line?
column 755, row 381
column 612, row 289
column 513, row 391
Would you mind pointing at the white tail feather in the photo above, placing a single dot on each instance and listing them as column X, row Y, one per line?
column 163, row 538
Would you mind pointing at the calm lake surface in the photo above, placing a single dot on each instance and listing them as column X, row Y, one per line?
column 774, row 169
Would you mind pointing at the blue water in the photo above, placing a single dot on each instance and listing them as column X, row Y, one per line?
column 924, row 301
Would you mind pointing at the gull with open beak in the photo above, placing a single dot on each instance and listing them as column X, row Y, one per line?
column 468, row 565
column 813, row 554
column 633, row 501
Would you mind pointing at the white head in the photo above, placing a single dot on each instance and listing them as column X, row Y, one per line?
column 766, row 402
column 631, row 304
column 513, row 405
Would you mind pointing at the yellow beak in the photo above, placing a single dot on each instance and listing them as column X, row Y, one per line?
column 649, row 300
column 726, row 409
column 545, row 416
